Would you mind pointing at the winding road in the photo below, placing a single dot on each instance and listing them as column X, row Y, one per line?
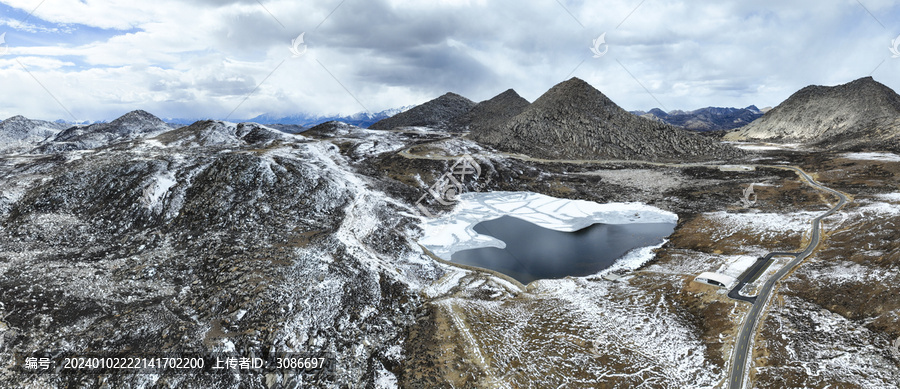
column 742, row 348
column 743, row 344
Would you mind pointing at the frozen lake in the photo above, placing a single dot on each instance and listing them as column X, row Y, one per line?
column 533, row 252
column 530, row 236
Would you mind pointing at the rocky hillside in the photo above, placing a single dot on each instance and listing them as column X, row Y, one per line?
column 435, row 113
column 860, row 114
column 219, row 133
column 129, row 126
column 575, row 121
column 705, row 119
column 490, row 114
column 209, row 238
column 19, row 133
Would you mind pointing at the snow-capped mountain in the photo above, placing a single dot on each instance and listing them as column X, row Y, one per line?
column 19, row 133
column 129, row 126
column 359, row 119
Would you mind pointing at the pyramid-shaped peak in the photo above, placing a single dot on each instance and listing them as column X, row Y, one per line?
column 574, row 87
column 16, row 119
column 575, row 81
column 489, row 114
column 138, row 115
column 452, row 95
column 576, row 96
column 574, row 120
column 434, row 113
column 509, row 93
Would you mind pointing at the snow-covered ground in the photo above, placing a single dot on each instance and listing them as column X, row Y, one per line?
column 887, row 157
column 454, row 231
column 894, row 197
column 764, row 146
column 764, row 224
column 877, row 208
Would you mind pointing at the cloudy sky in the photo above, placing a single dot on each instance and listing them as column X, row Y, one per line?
column 97, row 59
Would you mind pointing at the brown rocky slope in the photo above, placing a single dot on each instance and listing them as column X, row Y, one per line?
column 573, row 120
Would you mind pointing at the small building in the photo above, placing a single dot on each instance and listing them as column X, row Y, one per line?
column 716, row 279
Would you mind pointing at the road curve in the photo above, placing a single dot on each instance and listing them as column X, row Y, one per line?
column 742, row 346
column 742, row 349
column 754, row 272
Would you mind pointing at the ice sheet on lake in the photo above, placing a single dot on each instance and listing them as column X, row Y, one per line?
column 454, row 231
column 888, row 157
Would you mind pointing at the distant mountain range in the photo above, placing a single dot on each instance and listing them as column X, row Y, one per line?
column 456, row 113
column 706, row 119
column 862, row 114
column 302, row 121
column 359, row 119
column 573, row 120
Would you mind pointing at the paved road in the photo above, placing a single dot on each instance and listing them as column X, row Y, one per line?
column 743, row 345
column 758, row 267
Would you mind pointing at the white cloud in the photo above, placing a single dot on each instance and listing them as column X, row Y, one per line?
column 202, row 58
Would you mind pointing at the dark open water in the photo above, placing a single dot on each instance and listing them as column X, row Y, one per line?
column 533, row 252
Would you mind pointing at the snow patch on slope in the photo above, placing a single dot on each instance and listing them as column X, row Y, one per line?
column 886, row 157
column 895, row 197
column 766, row 224
column 160, row 185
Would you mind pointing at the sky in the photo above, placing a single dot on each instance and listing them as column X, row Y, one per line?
column 90, row 60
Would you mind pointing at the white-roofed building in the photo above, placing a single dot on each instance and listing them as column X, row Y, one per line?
column 716, row 279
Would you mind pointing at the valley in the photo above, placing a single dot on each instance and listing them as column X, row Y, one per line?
column 228, row 237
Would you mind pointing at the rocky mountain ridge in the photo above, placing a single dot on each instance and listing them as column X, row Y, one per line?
column 860, row 114
column 490, row 113
column 435, row 113
column 19, row 133
column 573, row 120
column 132, row 125
column 213, row 237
